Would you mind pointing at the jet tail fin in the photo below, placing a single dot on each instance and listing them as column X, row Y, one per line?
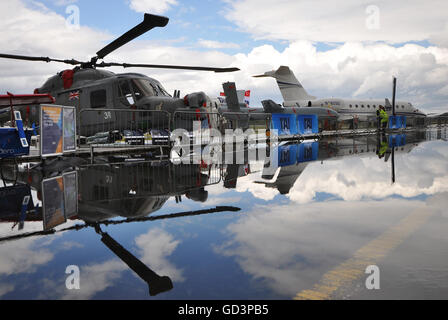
column 289, row 86
column 231, row 96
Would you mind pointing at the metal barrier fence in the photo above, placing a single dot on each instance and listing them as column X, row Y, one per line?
column 437, row 121
column 106, row 182
column 121, row 127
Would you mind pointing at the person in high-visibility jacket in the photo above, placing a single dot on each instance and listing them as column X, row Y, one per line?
column 384, row 117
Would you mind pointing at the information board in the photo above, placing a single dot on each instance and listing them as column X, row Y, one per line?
column 53, row 202
column 51, row 130
column 57, row 130
column 70, row 194
column 69, row 129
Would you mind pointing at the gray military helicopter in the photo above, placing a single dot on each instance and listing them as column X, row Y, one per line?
column 87, row 87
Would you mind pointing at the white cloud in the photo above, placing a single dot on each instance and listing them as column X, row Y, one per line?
column 211, row 44
column 330, row 21
column 155, row 246
column 152, row 6
column 24, row 255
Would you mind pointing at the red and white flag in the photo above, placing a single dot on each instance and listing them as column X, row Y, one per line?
column 74, row 95
column 247, row 97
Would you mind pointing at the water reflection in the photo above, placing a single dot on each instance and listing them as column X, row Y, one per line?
column 289, row 249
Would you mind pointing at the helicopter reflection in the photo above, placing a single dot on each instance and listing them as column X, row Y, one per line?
column 99, row 192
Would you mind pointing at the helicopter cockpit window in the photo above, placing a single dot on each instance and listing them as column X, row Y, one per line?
column 125, row 92
column 98, row 99
column 163, row 91
column 143, row 88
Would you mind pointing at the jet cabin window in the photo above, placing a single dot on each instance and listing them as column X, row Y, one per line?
column 98, row 99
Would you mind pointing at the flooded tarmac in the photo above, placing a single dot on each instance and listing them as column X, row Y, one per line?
column 360, row 217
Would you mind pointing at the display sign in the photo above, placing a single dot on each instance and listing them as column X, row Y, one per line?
column 70, row 194
column 69, row 129
column 57, row 130
column 53, row 202
column 59, row 199
column 51, row 130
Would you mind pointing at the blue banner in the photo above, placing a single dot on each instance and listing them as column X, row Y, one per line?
column 308, row 151
column 287, row 155
column 397, row 140
column 397, row 122
column 284, row 123
column 308, row 124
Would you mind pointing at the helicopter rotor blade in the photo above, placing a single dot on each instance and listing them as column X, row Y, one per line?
column 44, row 59
column 162, row 66
column 150, row 21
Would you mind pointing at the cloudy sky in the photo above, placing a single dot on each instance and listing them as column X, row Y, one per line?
column 351, row 49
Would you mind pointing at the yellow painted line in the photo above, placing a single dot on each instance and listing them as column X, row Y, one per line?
column 354, row 268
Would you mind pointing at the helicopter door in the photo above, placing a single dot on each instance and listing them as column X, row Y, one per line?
column 102, row 120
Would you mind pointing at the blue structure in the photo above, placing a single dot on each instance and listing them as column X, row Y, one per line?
column 15, row 142
column 397, row 122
